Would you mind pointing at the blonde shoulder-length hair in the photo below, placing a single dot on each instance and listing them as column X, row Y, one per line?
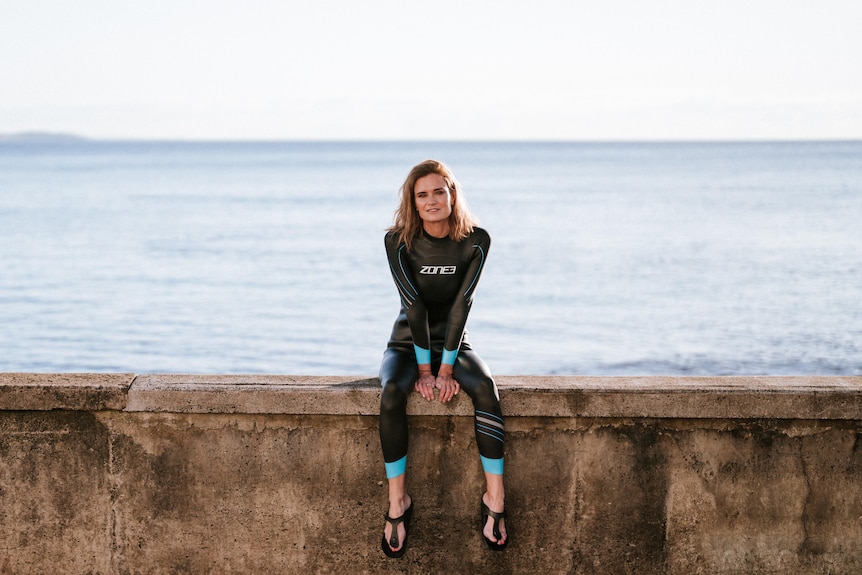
column 408, row 224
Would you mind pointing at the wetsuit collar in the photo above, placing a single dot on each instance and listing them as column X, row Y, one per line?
column 432, row 238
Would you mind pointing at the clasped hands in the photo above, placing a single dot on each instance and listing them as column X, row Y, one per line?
column 427, row 383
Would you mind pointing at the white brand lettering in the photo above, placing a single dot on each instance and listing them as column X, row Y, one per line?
column 438, row 270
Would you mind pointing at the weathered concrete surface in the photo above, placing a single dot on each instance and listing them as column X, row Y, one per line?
column 78, row 391
column 236, row 474
column 55, row 500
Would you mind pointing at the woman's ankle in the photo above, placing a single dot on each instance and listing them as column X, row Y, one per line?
column 495, row 501
column 399, row 505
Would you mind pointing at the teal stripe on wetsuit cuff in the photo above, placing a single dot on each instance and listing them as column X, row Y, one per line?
column 449, row 356
column 492, row 466
column 423, row 356
column 396, row 468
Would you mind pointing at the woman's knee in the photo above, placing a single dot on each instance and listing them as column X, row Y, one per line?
column 392, row 399
column 482, row 390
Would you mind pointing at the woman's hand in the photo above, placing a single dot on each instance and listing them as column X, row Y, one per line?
column 425, row 384
column 448, row 387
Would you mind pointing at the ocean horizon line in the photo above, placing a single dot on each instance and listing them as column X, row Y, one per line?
column 49, row 137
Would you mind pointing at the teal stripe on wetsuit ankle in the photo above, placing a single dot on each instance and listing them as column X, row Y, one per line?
column 492, row 466
column 396, row 468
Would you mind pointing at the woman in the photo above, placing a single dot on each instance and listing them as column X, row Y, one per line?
column 436, row 253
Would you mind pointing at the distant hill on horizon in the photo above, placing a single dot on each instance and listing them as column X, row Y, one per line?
column 36, row 136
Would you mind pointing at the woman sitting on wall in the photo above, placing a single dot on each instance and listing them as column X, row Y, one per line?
column 436, row 253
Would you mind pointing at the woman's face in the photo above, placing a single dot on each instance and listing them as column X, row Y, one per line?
column 433, row 198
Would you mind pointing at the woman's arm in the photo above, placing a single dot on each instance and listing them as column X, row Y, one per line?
column 478, row 246
column 411, row 301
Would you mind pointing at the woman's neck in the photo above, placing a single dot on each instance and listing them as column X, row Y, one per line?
column 436, row 229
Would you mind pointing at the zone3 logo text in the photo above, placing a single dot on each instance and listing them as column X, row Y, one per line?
column 438, row 270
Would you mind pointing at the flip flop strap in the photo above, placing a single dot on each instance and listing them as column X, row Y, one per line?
column 393, row 539
column 496, row 516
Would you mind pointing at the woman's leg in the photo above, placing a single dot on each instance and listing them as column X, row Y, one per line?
column 398, row 373
column 475, row 379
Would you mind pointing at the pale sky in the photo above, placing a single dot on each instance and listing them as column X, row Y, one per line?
column 532, row 69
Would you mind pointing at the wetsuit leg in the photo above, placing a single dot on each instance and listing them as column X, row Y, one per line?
column 475, row 379
column 398, row 373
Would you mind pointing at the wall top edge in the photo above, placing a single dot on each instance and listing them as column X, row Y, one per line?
column 780, row 397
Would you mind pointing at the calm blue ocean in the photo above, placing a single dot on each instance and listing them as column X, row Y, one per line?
column 607, row 259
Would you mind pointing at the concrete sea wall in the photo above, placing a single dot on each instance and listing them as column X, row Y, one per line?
column 122, row 474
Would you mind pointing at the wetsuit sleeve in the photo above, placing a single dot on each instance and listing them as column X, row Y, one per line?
column 478, row 247
column 414, row 307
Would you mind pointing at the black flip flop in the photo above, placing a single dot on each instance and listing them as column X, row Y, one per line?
column 393, row 540
column 486, row 512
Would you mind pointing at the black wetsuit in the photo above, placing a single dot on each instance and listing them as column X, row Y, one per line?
column 436, row 279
